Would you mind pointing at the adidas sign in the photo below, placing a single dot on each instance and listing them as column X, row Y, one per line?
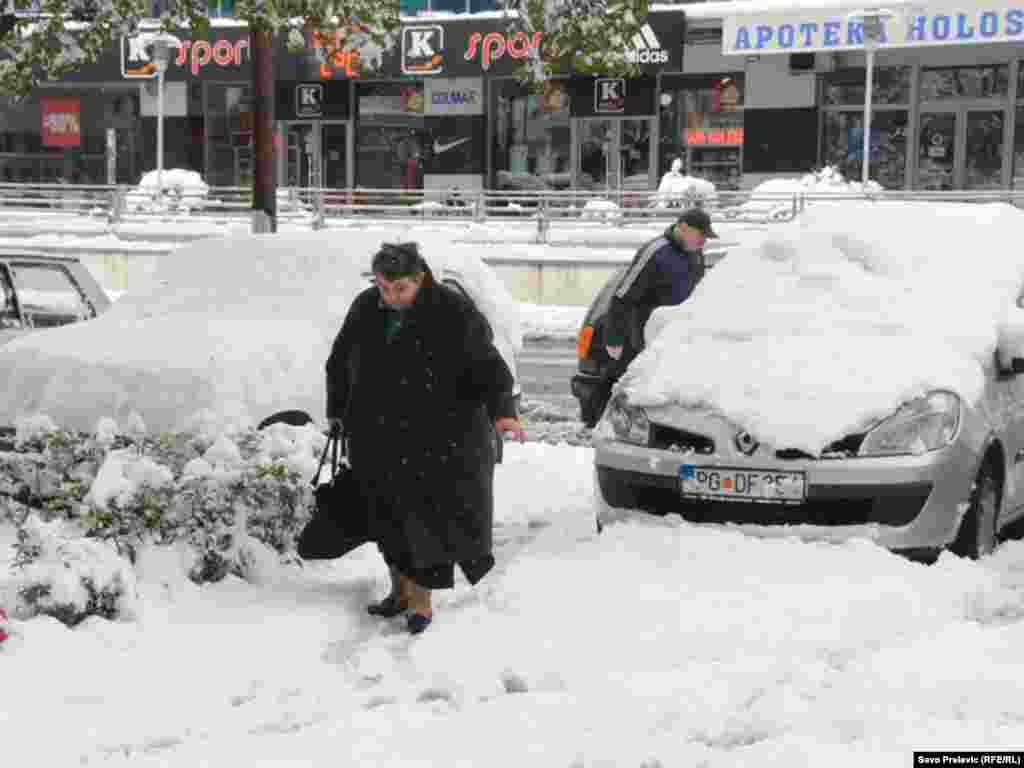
column 646, row 48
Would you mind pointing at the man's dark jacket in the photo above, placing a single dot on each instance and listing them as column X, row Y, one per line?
column 661, row 274
column 419, row 414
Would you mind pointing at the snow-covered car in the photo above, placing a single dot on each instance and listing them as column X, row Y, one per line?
column 227, row 332
column 855, row 374
column 41, row 291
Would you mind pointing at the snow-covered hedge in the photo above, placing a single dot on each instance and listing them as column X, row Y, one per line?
column 87, row 506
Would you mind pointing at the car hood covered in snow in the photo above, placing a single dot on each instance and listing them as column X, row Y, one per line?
column 228, row 332
column 838, row 318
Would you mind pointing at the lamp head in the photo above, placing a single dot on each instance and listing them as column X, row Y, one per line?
column 163, row 46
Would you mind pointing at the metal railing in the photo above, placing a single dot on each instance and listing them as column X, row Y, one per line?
column 112, row 208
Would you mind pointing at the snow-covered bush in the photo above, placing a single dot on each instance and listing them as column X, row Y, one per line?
column 601, row 209
column 232, row 502
column 60, row 573
column 183, row 191
column 773, row 198
column 677, row 190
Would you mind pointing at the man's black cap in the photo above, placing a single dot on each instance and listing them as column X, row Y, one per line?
column 699, row 220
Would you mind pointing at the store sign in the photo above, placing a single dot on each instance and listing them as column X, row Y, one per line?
column 454, row 96
column 309, row 100
column 423, row 50
column 62, row 122
column 723, row 137
column 647, row 48
column 495, row 45
column 609, row 95
column 831, row 30
column 193, row 55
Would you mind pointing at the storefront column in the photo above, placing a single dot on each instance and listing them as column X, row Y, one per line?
column 1010, row 128
column 913, row 125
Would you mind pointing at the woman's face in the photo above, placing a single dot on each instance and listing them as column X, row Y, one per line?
column 400, row 293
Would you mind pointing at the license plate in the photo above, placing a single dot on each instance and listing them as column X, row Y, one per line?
column 733, row 484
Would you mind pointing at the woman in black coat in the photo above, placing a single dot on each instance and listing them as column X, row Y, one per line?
column 420, row 388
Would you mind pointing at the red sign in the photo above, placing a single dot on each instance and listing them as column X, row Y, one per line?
column 724, row 136
column 62, row 122
column 495, row 45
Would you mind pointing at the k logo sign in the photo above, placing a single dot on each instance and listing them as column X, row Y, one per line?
column 609, row 95
column 135, row 59
column 423, row 50
column 309, row 100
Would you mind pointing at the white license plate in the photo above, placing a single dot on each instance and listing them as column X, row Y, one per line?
column 734, row 484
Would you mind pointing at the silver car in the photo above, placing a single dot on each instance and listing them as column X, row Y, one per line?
column 960, row 488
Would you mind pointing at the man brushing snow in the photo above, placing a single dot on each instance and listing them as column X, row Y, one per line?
column 664, row 272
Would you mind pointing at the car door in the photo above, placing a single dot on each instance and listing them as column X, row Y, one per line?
column 48, row 295
column 1006, row 403
column 11, row 322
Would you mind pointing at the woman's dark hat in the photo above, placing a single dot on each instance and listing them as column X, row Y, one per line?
column 699, row 220
column 398, row 260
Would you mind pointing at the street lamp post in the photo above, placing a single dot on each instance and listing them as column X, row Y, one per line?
column 873, row 21
column 163, row 45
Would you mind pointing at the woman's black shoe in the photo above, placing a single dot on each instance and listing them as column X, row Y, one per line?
column 387, row 608
column 417, row 622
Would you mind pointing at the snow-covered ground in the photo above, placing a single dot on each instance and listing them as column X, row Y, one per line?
column 657, row 643
column 653, row 644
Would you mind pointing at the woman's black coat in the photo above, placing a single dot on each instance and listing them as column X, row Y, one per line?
column 419, row 414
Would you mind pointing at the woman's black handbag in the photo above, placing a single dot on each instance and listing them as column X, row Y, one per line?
column 340, row 521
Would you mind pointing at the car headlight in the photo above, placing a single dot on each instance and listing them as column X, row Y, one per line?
column 629, row 423
column 924, row 424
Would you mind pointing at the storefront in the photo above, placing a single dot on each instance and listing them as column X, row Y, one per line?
column 946, row 83
column 98, row 125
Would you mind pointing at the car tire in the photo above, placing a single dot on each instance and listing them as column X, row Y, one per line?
column 978, row 534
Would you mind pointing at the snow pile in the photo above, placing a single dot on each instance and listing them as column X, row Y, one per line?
column 677, row 189
column 551, row 322
column 774, row 198
column 836, row 319
column 68, row 577
column 601, row 209
column 182, row 191
column 228, row 332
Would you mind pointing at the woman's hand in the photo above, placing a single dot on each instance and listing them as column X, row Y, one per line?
column 510, row 425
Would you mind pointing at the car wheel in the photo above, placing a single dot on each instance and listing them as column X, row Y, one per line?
column 978, row 530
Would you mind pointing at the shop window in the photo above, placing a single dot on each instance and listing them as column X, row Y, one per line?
column 413, row 7
column 702, row 123
column 890, row 85
column 532, row 142
column 228, row 129
column 1018, row 151
column 965, row 83
column 843, row 145
column 391, row 139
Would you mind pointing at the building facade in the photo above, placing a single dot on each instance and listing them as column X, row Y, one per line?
column 442, row 109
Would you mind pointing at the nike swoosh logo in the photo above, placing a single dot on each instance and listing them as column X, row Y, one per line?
column 439, row 147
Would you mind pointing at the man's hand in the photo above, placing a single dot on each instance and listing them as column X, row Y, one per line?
column 614, row 352
column 512, row 426
column 334, row 426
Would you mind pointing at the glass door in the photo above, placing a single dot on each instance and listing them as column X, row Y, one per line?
column 334, row 155
column 302, row 161
column 937, row 143
column 614, row 153
column 598, row 155
column 983, row 149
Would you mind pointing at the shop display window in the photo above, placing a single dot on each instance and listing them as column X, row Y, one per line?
column 532, row 139
column 702, row 124
column 843, row 145
column 985, row 82
column 890, row 85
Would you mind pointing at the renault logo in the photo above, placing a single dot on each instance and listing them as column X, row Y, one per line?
column 746, row 443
